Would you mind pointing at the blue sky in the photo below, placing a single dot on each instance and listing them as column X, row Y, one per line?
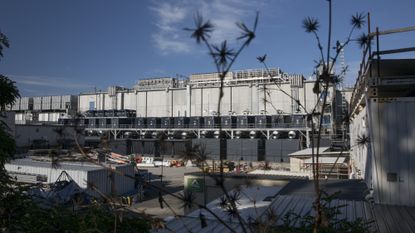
column 64, row 47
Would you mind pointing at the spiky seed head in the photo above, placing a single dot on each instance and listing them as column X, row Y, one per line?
column 203, row 29
column 262, row 58
column 247, row 33
column 311, row 24
column 358, row 20
column 363, row 40
column 222, row 54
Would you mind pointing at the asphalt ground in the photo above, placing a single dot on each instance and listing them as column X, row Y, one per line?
column 172, row 181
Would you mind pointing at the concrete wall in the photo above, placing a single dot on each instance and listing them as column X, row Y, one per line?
column 203, row 101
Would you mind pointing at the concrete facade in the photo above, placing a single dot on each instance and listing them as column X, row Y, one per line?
column 203, row 101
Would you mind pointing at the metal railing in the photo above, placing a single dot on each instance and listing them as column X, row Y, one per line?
column 369, row 57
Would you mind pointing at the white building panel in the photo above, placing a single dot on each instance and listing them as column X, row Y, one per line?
column 196, row 102
column 141, row 99
column 130, row 100
column 85, row 175
column 179, row 102
column 158, row 103
column 241, row 99
column 390, row 152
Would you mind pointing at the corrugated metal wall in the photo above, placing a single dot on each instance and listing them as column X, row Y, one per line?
column 93, row 175
column 392, row 137
column 246, row 149
column 211, row 145
column 52, row 174
column 278, row 150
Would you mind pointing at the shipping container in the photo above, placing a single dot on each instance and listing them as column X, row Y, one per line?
column 83, row 122
column 153, row 122
column 245, row 121
column 46, row 102
column 140, row 122
column 109, row 113
column 19, row 117
column 277, row 121
column 56, row 99
column 211, row 122
column 56, row 106
column 196, row 122
column 43, row 117
column 56, row 102
column 228, row 122
column 104, row 123
column 122, row 122
column 89, row 113
column 262, row 121
column 298, row 121
column 54, row 116
column 100, row 113
column 167, row 122
column 16, row 105
column 37, row 103
column 69, row 102
column 26, row 103
column 28, row 171
column 93, row 122
column 181, row 122
column 125, row 113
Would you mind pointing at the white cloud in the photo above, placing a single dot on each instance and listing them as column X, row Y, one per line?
column 168, row 43
column 171, row 17
column 166, row 38
column 47, row 81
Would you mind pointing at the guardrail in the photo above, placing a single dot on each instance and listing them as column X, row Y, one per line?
column 368, row 57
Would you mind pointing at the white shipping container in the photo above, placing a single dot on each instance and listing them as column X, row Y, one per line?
column 24, row 103
column 56, row 106
column 81, row 173
column 66, row 98
column 37, row 106
column 19, row 117
column 69, row 101
column 16, row 105
column 37, row 100
column 43, row 116
column 46, row 102
column 54, row 116
column 56, row 99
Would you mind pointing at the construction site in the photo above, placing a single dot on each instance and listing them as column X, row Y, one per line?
column 195, row 153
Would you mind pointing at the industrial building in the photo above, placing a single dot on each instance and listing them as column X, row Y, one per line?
column 269, row 107
column 93, row 178
column 382, row 129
